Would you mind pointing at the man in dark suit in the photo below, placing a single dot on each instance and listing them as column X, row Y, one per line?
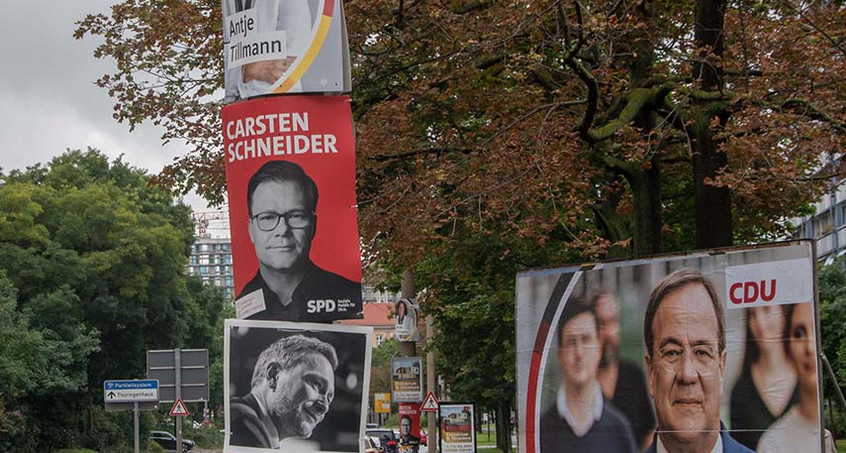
column 288, row 286
column 292, row 386
column 685, row 335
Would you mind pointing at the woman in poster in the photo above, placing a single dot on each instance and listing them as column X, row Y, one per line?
column 799, row 429
column 406, row 321
column 767, row 387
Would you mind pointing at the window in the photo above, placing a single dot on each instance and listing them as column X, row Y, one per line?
column 379, row 339
column 204, row 270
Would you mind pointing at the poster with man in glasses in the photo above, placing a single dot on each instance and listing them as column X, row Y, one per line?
column 290, row 170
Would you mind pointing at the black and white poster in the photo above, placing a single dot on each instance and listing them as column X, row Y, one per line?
column 295, row 386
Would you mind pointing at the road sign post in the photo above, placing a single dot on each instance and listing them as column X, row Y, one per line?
column 184, row 376
column 132, row 395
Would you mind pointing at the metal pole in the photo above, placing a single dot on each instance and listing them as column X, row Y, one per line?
column 177, row 357
column 135, row 420
column 431, row 383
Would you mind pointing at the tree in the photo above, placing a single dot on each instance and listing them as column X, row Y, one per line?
column 584, row 116
column 596, row 129
column 92, row 259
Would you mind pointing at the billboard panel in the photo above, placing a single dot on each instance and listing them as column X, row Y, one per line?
column 295, row 386
column 409, row 427
column 284, row 46
column 290, row 173
column 407, row 379
column 706, row 347
column 457, row 428
column 406, row 320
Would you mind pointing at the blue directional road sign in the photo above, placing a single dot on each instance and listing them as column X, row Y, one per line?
column 133, row 391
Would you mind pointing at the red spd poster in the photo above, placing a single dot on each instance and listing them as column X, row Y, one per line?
column 290, row 175
column 409, row 427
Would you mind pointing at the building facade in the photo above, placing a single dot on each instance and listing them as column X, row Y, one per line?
column 827, row 225
column 211, row 260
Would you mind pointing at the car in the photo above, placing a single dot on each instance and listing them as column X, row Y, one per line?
column 388, row 441
column 371, row 445
column 168, row 441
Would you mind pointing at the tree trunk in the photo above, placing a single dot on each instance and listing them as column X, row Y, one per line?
column 646, row 198
column 503, row 427
column 712, row 204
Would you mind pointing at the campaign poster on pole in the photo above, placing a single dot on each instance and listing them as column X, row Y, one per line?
column 284, row 46
column 290, row 176
column 295, row 386
column 409, row 427
column 382, row 403
column 458, row 431
column 407, row 379
column 718, row 346
column 406, row 320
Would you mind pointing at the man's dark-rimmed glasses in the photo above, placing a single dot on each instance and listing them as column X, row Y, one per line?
column 296, row 219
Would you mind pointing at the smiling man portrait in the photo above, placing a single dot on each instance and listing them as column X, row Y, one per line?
column 288, row 286
column 684, row 332
column 292, row 387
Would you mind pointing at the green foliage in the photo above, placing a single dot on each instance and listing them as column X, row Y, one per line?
column 208, row 437
column 153, row 447
column 91, row 277
column 832, row 293
column 380, row 366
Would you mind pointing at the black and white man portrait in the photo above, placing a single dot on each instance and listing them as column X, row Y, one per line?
column 282, row 204
column 295, row 388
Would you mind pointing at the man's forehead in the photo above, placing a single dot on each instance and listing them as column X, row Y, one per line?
column 278, row 191
column 686, row 313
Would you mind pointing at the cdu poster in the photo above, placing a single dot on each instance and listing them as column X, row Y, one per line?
column 290, row 174
column 672, row 353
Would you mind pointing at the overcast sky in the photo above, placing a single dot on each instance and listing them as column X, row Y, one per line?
column 48, row 100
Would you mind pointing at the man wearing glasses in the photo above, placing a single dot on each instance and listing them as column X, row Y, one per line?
column 282, row 201
column 685, row 335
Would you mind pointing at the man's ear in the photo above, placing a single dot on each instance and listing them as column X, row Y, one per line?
column 313, row 227
column 250, row 229
column 649, row 376
column 272, row 374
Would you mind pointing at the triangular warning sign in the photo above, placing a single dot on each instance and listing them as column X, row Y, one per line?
column 179, row 409
column 430, row 403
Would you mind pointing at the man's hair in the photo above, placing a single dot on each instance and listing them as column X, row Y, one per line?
column 288, row 352
column 573, row 308
column 673, row 282
column 280, row 171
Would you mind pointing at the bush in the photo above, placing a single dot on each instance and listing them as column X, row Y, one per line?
column 204, row 437
column 153, row 447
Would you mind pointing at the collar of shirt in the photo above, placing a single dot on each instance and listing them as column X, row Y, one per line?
column 718, row 445
column 564, row 411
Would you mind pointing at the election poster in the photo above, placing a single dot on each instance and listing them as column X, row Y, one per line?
column 290, row 176
column 409, row 428
column 284, row 46
column 457, row 430
column 382, row 403
column 407, row 379
column 706, row 349
column 295, row 386
column 406, row 320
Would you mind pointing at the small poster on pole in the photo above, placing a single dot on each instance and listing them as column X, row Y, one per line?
column 407, row 379
column 458, row 433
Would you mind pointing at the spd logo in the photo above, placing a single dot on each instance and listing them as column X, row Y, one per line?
column 321, row 306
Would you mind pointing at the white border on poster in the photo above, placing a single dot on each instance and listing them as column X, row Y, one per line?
column 294, row 327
